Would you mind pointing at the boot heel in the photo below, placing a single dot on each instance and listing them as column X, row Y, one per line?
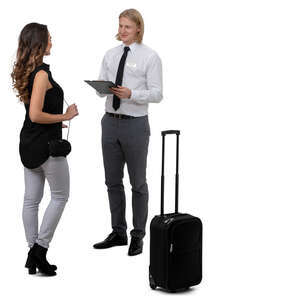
column 40, row 261
column 32, row 270
column 30, row 265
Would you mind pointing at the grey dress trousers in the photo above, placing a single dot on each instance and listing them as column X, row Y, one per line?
column 126, row 141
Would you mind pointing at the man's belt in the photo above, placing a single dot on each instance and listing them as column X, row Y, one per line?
column 118, row 116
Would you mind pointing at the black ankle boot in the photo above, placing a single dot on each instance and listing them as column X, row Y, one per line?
column 31, row 265
column 38, row 259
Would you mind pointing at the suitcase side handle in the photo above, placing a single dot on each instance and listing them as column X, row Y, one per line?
column 164, row 133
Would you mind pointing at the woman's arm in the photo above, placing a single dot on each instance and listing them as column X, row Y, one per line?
column 40, row 86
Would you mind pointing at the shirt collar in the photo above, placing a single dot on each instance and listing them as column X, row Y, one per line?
column 131, row 46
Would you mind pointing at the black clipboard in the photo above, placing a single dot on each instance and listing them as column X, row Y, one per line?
column 101, row 86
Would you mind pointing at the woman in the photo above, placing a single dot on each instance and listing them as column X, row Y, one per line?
column 43, row 99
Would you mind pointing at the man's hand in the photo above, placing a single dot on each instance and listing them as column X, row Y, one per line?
column 64, row 125
column 122, row 92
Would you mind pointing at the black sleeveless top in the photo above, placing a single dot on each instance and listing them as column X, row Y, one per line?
column 34, row 137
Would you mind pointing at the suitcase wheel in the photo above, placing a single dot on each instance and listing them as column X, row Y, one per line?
column 153, row 286
column 151, row 282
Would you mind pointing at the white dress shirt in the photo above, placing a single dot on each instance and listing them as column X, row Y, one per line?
column 142, row 75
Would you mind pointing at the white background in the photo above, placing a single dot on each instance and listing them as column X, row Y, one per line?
column 231, row 85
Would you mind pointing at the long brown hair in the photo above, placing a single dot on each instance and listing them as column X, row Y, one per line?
column 33, row 41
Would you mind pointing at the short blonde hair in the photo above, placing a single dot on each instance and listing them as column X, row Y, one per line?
column 134, row 16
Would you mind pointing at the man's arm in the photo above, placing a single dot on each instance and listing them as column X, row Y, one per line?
column 154, row 83
column 103, row 74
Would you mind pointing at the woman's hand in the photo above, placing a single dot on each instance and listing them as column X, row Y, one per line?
column 71, row 112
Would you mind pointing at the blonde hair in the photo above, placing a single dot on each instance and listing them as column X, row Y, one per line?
column 134, row 16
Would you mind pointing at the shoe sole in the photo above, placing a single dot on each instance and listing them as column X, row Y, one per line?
column 136, row 253
column 109, row 246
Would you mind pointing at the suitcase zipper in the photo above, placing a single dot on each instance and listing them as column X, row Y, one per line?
column 171, row 248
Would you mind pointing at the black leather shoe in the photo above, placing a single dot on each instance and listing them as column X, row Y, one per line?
column 114, row 239
column 136, row 246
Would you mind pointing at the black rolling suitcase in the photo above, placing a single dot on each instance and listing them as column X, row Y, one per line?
column 175, row 242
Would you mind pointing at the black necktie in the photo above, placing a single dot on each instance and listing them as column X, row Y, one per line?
column 119, row 79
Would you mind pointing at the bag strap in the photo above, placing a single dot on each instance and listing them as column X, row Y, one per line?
column 69, row 121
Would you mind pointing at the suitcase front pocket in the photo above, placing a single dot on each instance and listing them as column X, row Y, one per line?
column 185, row 269
column 185, row 255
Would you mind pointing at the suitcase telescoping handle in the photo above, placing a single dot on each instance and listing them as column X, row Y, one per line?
column 164, row 133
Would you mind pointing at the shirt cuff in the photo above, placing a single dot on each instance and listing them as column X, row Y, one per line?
column 138, row 96
column 134, row 95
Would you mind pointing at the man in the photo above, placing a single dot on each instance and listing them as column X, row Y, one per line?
column 136, row 69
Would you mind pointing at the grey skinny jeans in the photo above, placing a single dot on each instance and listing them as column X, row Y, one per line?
column 56, row 171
